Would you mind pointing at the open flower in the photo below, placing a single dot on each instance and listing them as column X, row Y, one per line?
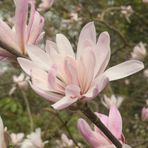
column 26, row 31
column 139, row 52
column 34, row 140
column 16, row 139
column 95, row 137
column 112, row 101
column 61, row 76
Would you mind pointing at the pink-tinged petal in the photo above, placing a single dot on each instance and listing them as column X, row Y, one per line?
column 36, row 28
column 70, row 67
column 115, row 122
column 88, row 33
column 5, row 54
column 126, row 146
column 27, row 65
column 64, row 46
column 50, row 96
column 124, row 69
column 40, row 79
column 7, row 36
column 21, row 13
column 88, row 134
column 99, row 84
column 64, row 103
column 51, row 48
column 86, row 65
column 103, row 52
column 72, row 91
column 104, row 119
column 39, row 56
column 40, row 39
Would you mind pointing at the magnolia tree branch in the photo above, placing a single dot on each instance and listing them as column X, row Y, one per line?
column 93, row 118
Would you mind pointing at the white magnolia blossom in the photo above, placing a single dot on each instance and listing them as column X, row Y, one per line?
column 34, row 140
column 20, row 81
column 127, row 11
column 139, row 52
column 112, row 101
column 16, row 139
column 65, row 142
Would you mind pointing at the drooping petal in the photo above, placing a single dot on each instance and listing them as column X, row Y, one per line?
column 88, row 33
column 50, row 96
column 103, row 52
column 64, row 103
column 21, row 13
column 64, row 46
column 124, row 69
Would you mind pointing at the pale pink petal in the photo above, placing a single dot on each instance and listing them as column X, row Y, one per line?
column 7, row 36
column 40, row 79
column 27, row 65
column 51, row 47
column 72, row 91
column 99, row 84
column 64, row 103
column 50, row 96
column 86, row 65
column 124, row 69
column 64, row 46
column 115, row 122
column 88, row 33
column 88, row 134
column 39, row 56
column 102, row 52
column 21, row 13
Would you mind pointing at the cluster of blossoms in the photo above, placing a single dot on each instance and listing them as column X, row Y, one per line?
column 63, row 76
column 33, row 140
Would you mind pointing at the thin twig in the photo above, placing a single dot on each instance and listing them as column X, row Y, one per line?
column 28, row 110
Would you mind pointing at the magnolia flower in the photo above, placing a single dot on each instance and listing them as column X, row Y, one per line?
column 145, row 1
column 60, row 75
column 108, row 102
column 95, row 137
column 20, row 81
column 45, row 5
column 34, row 140
column 144, row 114
column 65, row 142
column 139, row 52
column 127, row 11
column 16, row 139
column 26, row 31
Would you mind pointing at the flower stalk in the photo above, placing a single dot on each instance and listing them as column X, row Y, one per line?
column 93, row 118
